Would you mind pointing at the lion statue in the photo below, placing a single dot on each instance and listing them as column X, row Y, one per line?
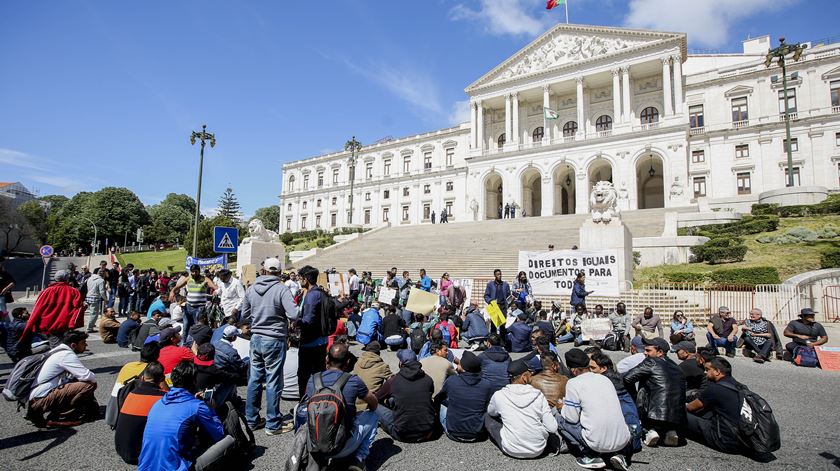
column 603, row 202
column 259, row 233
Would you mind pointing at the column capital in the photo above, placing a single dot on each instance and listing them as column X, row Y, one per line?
column 515, row 95
column 666, row 61
column 625, row 69
column 616, row 71
column 579, row 80
column 546, row 88
column 677, row 58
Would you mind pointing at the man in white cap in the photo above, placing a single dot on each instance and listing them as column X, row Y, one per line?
column 227, row 358
column 268, row 306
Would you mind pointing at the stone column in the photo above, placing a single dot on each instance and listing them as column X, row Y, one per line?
column 480, row 125
column 678, row 84
column 507, row 119
column 547, row 125
column 581, row 194
column 666, row 85
column 581, row 117
column 515, row 124
column 547, row 189
column 616, row 96
column 625, row 81
column 473, row 130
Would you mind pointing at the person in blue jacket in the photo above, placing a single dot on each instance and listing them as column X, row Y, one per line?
column 425, row 281
column 370, row 328
column 173, row 424
column 497, row 290
column 579, row 292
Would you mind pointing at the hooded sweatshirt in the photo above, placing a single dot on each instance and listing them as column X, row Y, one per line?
column 270, row 305
column 96, row 289
column 414, row 413
column 466, row 396
column 494, row 364
column 373, row 371
column 526, row 420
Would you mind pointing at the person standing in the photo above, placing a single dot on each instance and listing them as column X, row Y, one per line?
column 7, row 282
column 507, row 210
column 354, row 285
column 513, row 211
column 268, row 306
column 497, row 290
column 59, row 308
column 500, row 211
column 230, row 293
column 97, row 295
column 313, row 339
column 425, row 281
column 113, row 280
column 433, row 217
column 198, row 292
column 579, row 292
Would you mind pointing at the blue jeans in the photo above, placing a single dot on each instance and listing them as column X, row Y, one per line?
column 721, row 342
column 112, row 296
column 386, row 420
column 361, row 436
column 395, row 341
column 566, row 338
column 267, row 357
column 190, row 315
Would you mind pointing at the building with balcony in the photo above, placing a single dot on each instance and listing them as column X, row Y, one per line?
column 632, row 107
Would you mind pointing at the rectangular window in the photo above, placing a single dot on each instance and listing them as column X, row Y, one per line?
column 427, row 161
column 796, row 181
column 405, row 213
column 305, row 182
column 739, row 109
column 794, row 145
column 385, row 212
column 744, row 183
column 427, row 211
column 367, row 196
column 405, row 191
column 304, row 205
column 320, row 179
column 699, row 187
column 303, row 223
column 288, row 224
column 449, row 208
column 318, row 221
column 450, row 186
column 386, row 167
column 289, row 207
column 335, row 176
column 742, row 151
column 698, row 156
column 367, row 216
column 318, row 203
column 406, row 164
column 386, row 194
column 791, row 101
column 837, row 139
column 450, row 156
column 427, row 189
column 369, row 170
column 835, row 93
column 333, row 217
column 695, row 116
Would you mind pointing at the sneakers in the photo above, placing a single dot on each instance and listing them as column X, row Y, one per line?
column 739, row 343
column 618, row 462
column 258, row 425
column 671, row 438
column 287, row 427
column 63, row 423
column 730, row 354
column 651, row 438
column 758, row 359
column 748, row 352
column 591, row 463
column 356, row 465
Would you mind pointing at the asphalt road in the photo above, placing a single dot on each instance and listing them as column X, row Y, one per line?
column 805, row 403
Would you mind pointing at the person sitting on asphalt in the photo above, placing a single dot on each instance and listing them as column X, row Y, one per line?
column 371, row 368
column 714, row 414
column 129, row 372
column 692, row 371
column 171, row 351
column 227, row 358
column 12, row 334
column 621, row 324
column 722, row 331
column 463, row 401
column 128, row 330
column 758, row 340
column 412, row 417
column 494, row 363
column 805, row 332
column 393, row 329
column 370, row 328
column 172, row 429
column 474, row 327
column 109, row 327
column 223, row 382
column 591, row 420
column 682, row 329
column 648, row 324
column 437, row 365
column 200, row 332
column 661, row 393
column 545, row 326
column 600, row 363
column 160, row 304
column 148, row 328
column 134, row 411
column 637, row 355
column 549, row 381
column 519, row 420
column 435, row 336
column 361, row 425
column 519, row 334
column 537, row 338
column 447, row 328
column 64, row 390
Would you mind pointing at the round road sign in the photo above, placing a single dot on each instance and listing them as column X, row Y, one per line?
column 46, row 251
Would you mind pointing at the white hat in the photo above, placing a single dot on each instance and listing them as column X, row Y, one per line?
column 272, row 264
column 230, row 332
column 165, row 322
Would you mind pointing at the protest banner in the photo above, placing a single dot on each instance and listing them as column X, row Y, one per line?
column 420, row 301
column 829, row 358
column 336, row 284
column 215, row 263
column 596, row 328
column 248, row 274
column 553, row 273
column 386, row 295
column 495, row 313
column 322, row 280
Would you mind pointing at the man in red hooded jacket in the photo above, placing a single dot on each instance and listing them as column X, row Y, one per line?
column 59, row 308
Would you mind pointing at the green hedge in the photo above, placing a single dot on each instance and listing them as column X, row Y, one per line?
column 765, row 209
column 747, row 225
column 731, row 276
column 830, row 259
column 720, row 250
column 830, row 205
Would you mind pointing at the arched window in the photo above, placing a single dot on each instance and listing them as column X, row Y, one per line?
column 501, row 141
column 538, row 133
column 292, row 183
column 650, row 115
column 570, row 129
column 603, row 123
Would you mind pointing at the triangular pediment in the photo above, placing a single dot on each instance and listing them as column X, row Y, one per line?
column 738, row 91
column 568, row 45
column 832, row 74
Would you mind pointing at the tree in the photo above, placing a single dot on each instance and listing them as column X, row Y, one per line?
column 270, row 216
column 205, row 235
column 54, row 202
column 170, row 219
column 14, row 228
column 34, row 213
column 229, row 206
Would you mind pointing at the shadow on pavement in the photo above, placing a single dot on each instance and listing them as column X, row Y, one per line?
column 835, row 460
column 107, row 369
column 380, row 452
column 258, row 452
column 57, row 436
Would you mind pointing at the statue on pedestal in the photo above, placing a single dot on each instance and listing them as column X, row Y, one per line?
column 259, row 233
column 603, row 202
column 474, row 209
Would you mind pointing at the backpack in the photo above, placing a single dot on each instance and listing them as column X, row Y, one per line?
column 805, row 356
column 236, row 427
column 327, row 318
column 611, row 342
column 757, row 427
column 416, row 339
column 21, row 380
column 112, row 411
column 325, row 416
column 444, row 327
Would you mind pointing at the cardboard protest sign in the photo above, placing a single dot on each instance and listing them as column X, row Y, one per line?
column 495, row 313
column 387, row 295
column 421, row 301
column 336, row 284
column 829, row 357
column 248, row 274
column 596, row 328
column 553, row 273
column 322, row 280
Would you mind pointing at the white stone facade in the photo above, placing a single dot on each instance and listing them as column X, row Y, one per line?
column 667, row 128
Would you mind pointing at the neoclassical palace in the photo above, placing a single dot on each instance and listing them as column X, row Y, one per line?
column 632, row 107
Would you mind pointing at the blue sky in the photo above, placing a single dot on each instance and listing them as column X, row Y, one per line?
column 99, row 93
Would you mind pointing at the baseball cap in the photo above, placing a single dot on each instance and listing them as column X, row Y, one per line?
column 168, row 334
column 637, row 342
column 687, row 346
column 516, row 368
column 807, row 312
column 470, row 362
column 230, row 331
column 272, row 264
column 205, row 355
column 406, row 356
column 657, row 342
column 165, row 322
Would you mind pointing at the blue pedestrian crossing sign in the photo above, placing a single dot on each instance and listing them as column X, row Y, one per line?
column 225, row 239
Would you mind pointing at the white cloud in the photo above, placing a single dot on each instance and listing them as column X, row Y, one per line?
column 65, row 184
column 459, row 113
column 707, row 23
column 413, row 86
column 507, row 17
column 22, row 159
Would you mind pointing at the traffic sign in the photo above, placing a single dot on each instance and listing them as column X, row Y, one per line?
column 46, row 251
column 225, row 239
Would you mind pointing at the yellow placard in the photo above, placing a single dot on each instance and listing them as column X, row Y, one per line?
column 421, row 301
column 495, row 313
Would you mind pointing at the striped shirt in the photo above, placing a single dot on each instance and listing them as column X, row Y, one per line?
column 197, row 292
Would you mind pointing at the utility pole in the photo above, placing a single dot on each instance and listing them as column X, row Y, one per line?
column 781, row 53
column 94, row 244
column 202, row 136
column 354, row 147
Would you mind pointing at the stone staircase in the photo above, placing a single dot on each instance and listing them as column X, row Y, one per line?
column 470, row 249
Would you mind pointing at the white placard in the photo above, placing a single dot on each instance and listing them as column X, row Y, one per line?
column 336, row 284
column 596, row 328
column 386, row 295
column 553, row 273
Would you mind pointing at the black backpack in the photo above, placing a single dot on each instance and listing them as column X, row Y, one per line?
column 236, row 427
column 417, row 339
column 611, row 342
column 325, row 416
column 327, row 317
column 21, row 380
column 757, row 427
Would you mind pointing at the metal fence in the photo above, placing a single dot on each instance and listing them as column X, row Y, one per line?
column 831, row 303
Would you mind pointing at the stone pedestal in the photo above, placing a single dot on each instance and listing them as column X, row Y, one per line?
column 255, row 252
column 612, row 235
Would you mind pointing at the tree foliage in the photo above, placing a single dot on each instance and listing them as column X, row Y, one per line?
column 14, row 227
column 205, row 235
column 171, row 219
column 229, row 206
column 270, row 216
column 35, row 214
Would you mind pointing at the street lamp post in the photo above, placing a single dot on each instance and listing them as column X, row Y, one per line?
column 781, row 53
column 94, row 244
column 202, row 136
column 354, row 147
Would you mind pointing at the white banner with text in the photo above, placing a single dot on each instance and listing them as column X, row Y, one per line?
column 553, row 273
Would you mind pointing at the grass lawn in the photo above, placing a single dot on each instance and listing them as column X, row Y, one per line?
column 789, row 259
column 160, row 260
